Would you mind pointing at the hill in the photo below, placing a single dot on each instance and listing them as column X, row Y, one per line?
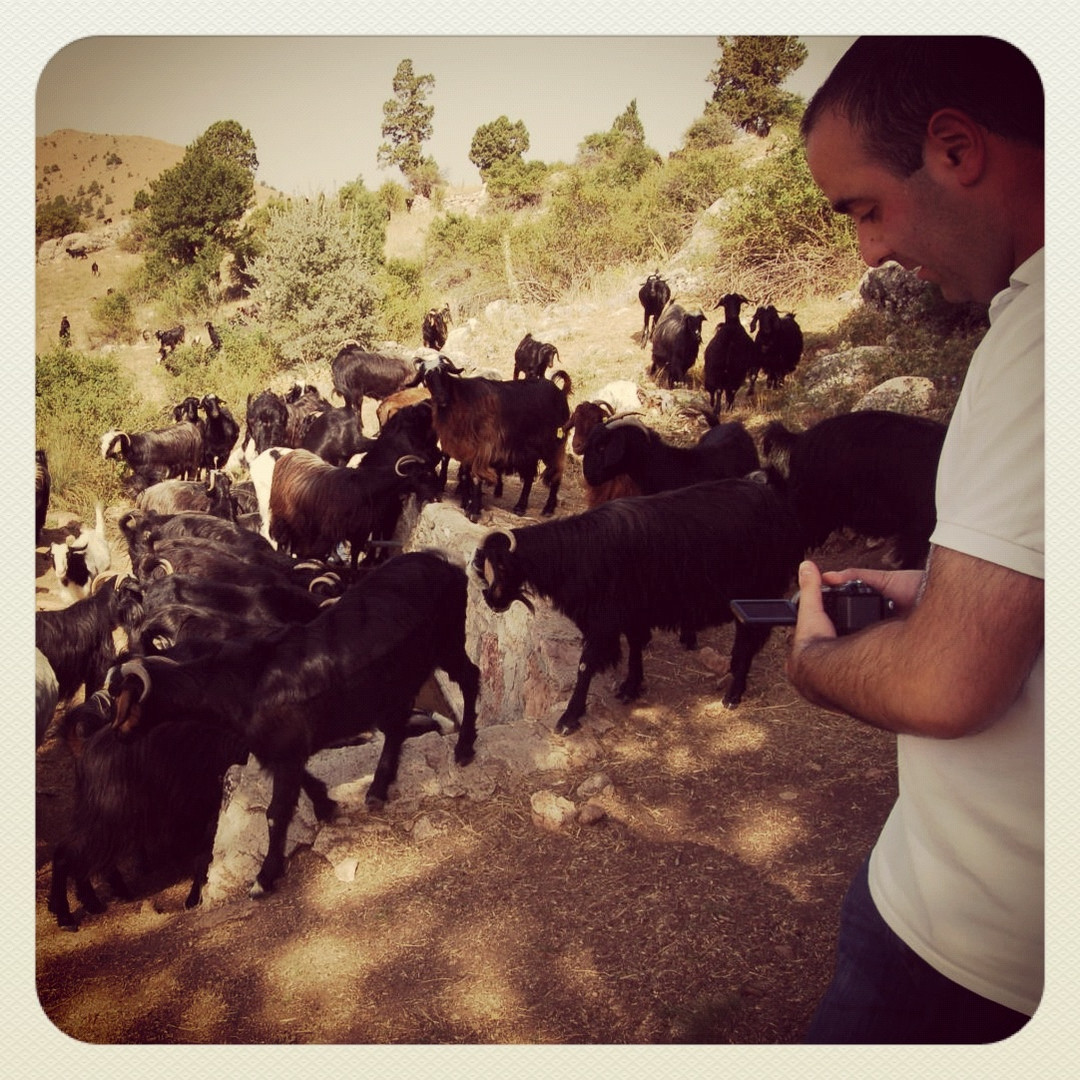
column 105, row 169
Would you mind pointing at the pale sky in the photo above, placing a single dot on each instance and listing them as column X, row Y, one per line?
column 313, row 105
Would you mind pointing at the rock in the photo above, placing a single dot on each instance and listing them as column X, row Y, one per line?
column 594, row 785
column 528, row 665
column 551, row 811
column 909, row 394
column 591, row 814
column 892, row 289
column 841, row 372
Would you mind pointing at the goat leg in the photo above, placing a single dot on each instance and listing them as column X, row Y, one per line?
column 749, row 641
column 287, row 779
column 630, row 688
column 315, row 790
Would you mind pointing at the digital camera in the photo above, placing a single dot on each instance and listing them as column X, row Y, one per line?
column 850, row 607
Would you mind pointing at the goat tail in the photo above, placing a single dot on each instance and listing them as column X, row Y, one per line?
column 561, row 377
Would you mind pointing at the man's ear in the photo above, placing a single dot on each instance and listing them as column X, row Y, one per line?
column 955, row 146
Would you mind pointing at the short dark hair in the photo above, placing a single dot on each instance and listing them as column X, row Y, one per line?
column 889, row 87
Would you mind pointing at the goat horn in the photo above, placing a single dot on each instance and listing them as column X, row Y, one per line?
column 324, row 579
column 511, row 538
column 138, row 669
column 164, row 564
column 408, row 459
column 210, row 481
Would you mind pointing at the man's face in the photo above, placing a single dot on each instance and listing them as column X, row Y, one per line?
column 914, row 221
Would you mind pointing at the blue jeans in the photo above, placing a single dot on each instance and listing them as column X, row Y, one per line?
column 883, row 992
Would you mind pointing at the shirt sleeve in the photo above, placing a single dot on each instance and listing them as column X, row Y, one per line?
column 990, row 486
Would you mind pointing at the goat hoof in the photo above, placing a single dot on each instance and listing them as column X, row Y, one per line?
column 70, row 927
column 258, row 890
column 374, row 803
column 463, row 755
column 567, row 727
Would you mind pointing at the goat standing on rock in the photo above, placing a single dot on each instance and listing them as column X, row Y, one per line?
column 357, row 667
column 493, row 427
column 672, row 561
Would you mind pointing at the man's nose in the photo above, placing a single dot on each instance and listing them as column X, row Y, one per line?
column 873, row 249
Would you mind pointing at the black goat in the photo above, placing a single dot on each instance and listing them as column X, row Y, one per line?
column 626, row 447
column 157, row 454
column 433, row 328
column 494, row 427
column 872, row 471
column 169, row 339
column 731, row 356
column 672, row 561
column 532, row 358
column 314, row 506
column 42, row 490
column 146, row 532
column 654, row 295
column 215, row 337
column 220, row 432
column 335, row 436
column 779, row 344
column 180, row 606
column 78, row 640
column 358, row 374
column 357, row 667
column 676, row 339
column 303, row 403
column 157, row 797
column 46, row 694
column 267, row 418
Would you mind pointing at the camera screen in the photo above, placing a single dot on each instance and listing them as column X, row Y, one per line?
column 770, row 611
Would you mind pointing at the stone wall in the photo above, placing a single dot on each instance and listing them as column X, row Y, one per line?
column 528, row 663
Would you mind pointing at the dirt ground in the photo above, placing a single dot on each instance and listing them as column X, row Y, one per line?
column 701, row 908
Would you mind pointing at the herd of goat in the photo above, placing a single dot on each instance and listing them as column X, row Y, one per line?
column 267, row 614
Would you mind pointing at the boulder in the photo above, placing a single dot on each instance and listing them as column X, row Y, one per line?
column 911, row 394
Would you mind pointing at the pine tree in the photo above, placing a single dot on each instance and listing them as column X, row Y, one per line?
column 498, row 141
column 747, row 78
column 407, row 124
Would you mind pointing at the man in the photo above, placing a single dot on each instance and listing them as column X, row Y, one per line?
column 934, row 146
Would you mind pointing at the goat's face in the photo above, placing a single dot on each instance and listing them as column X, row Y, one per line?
column 609, row 448
column 500, row 571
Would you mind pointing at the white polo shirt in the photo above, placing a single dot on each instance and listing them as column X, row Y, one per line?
column 957, row 872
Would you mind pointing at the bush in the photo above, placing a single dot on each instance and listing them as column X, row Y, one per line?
column 55, row 219
column 114, row 318
column 79, row 397
column 315, row 283
column 513, row 184
column 405, row 298
column 247, row 363
column 782, row 235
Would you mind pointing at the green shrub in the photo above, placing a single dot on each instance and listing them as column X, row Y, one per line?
column 315, row 282
column 114, row 318
column 55, row 219
column 247, row 363
column 79, row 397
column 405, row 298
column 513, row 184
